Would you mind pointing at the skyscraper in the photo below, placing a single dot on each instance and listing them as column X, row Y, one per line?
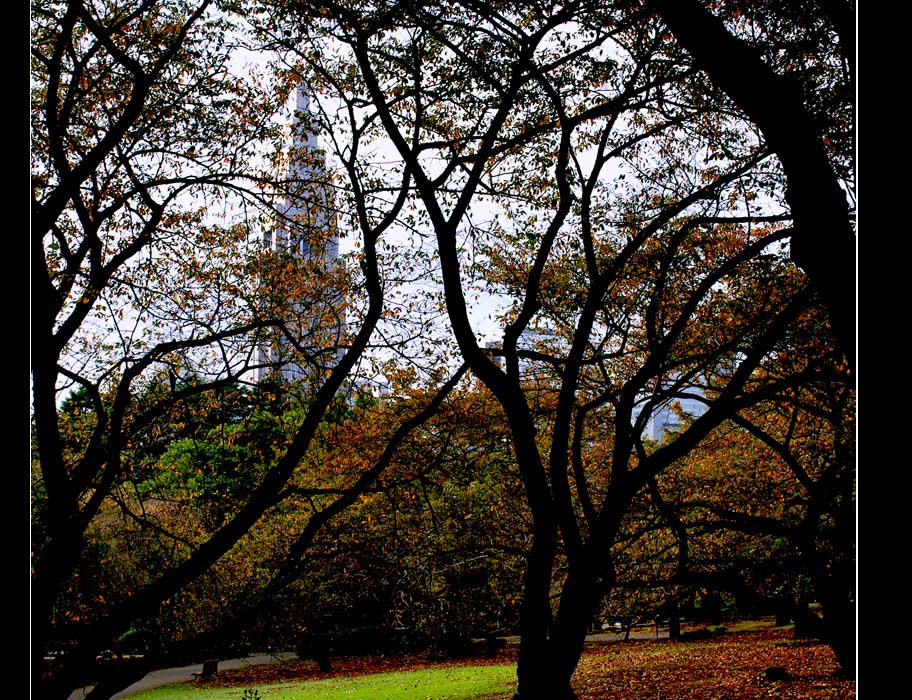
column 665, row 419
column 302, row 249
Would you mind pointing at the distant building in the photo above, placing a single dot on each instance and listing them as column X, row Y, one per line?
column 666, row 419
column 305, row 229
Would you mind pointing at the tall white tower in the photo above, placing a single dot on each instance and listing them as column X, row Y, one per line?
column 303, row 240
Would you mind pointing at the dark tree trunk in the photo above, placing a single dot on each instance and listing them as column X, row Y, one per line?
column 807, row 623
column 838, row 627
column 674, row 620
column 535, row 618
column 588, row 581
column 117, row 675
column 783, row 612
column 711, row 607
column 577, row 607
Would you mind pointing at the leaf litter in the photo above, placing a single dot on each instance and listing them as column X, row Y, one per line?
column 756, row 665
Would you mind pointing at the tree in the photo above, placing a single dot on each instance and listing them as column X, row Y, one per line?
column 783, row 471
column 777, row 80
column 763, row 510
column 151, row 171
column 417, row 561
column 630, row 226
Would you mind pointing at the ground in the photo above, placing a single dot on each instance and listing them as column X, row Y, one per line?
column 730, row 666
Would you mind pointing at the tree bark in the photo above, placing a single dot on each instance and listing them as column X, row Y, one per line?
column 584, row 588
column 535, row 624
column 839, row 627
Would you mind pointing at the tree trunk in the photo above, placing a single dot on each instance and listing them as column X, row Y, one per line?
column 839, row 632
column 535, row 618
column 550, row 678
column 838, row 627
column 545, row 687
column 121, row 674
column 833, row 578
column 674, row 620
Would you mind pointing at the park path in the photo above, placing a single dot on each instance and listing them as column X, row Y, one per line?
column 181, row 674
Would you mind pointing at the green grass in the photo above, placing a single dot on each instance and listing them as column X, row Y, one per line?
column 455, row 683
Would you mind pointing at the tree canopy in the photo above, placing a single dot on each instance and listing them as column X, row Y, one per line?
column 601, row 211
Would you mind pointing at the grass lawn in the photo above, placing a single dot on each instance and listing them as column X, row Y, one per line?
column 452, row 683
column 730, row 665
